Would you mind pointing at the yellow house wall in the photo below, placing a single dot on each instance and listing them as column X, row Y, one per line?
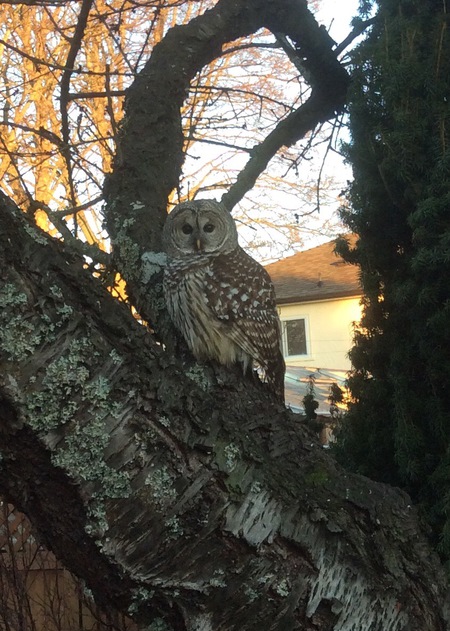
column 329, row 331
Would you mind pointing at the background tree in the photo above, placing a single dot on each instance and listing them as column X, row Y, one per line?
column 63, row 76
column 398, row 426
column 181, row 493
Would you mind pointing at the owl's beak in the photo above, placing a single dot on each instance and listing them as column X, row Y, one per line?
column 198, row 245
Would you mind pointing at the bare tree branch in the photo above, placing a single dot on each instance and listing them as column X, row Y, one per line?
column 316, row 110
column 75, row 46
column 40, row 3
column 356, row 32
column 43, row 62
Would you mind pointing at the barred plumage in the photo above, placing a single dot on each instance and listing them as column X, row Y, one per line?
column 220, row 299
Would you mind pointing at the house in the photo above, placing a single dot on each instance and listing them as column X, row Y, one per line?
column 318, row 296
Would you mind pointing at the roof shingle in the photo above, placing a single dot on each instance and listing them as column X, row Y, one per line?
column 315, row 274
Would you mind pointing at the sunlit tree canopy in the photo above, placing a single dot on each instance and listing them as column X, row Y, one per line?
column 64, row 71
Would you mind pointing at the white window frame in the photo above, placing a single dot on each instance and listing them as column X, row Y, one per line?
column 284, row 336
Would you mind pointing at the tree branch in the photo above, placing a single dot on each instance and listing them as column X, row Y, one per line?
column 64, row 93
column 317, row 109
column 360, row 27
column 151, row 140
column 43, row 62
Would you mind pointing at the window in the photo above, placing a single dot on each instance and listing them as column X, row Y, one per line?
column 294, row 337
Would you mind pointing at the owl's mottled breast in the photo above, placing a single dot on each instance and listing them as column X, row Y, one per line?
column 186, row 288
column 220, row 299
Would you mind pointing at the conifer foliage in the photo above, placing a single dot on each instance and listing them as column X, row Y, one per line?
column 398, row 427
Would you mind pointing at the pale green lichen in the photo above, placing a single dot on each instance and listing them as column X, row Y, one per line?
column 251, row 593
column 282, row 588
column 256, row 487
column 198, row 375
column 20, row 339
column 18, row 336
column 59, row 390
column 160, row 482
column 231, row 453
column 129, row 250
column 65, row 388
column 152, row 263
column 55, row 403
column 140, row 596
column 98, row 390
column 35, row 234
column 97, row 523
column 218, row 579
column 82, row 452
column 64, row 311
column 266, row 578
column 82, row 456
column 174, row 527
column 86, row 591
column 116, row 358
column 164, row 421
column 56, row 291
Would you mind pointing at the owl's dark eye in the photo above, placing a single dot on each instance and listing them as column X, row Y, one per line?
column 187, row 228
column 209, row 227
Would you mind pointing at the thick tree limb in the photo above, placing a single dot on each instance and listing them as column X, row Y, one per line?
column 150, row 149
column 179, row 499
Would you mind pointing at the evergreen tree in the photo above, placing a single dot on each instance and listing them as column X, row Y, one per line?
column 398, row 427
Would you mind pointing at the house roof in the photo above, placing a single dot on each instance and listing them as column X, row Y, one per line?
column 315, row 274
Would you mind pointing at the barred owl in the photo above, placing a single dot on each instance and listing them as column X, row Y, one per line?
column 219, row 298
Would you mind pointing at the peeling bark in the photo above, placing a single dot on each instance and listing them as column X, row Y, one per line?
column 181, row 494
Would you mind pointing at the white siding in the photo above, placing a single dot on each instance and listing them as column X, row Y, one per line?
column 329, row 331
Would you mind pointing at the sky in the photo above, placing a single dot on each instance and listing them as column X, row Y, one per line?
column 336, row 16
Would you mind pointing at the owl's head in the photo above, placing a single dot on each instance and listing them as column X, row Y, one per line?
column 199, row 227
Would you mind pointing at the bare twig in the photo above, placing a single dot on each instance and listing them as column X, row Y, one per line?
column 64, row 91
column 43, row 133
column 109, row 106
column 220, row 143
column 74, row 96
column 336, row 126
column 314, row 111
column 73, row 211
column 53, row 66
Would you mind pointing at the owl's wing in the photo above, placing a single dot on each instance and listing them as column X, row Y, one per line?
column 241, row 295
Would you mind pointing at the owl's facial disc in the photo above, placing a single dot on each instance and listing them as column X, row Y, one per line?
column 197, row 228
column 201, row 233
